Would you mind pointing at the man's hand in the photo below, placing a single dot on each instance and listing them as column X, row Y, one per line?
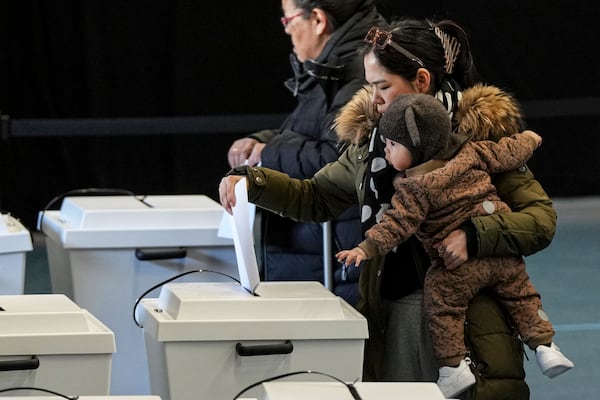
column 244, row 151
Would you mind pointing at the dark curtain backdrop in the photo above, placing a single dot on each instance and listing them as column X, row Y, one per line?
column 83, row 59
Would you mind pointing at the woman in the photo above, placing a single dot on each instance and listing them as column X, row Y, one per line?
column 411, row 58
column 326, row 36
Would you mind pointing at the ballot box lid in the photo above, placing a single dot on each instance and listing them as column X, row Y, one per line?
column 14, row 237
column 126, row 221
column 294, row 390
column 220, row 310
column 50, row 324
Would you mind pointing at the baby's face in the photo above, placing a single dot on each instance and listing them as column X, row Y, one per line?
column 397, row 155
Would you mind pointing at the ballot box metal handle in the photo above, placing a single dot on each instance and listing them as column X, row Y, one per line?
column 18, row 365
column 160, row 253
column 264, row 349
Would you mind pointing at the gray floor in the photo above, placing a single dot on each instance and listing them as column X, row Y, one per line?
column 567, row 274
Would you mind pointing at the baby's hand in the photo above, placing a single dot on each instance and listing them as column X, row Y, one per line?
column 535, row 136
column 351, row 257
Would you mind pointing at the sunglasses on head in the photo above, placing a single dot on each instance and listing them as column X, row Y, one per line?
column 381, row 39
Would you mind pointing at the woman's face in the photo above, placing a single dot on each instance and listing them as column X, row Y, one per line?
column 305, row 33
column 386, row 86
column 397, row 155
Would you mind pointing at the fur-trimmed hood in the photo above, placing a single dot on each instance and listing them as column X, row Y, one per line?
column 488, row 113
column 485, row 112
column 357, row 118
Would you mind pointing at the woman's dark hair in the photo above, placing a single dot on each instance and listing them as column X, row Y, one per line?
column 419, row 37
column 338, row 11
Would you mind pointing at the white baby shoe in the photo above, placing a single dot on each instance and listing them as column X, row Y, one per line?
column 551, row 361
column 455, row 380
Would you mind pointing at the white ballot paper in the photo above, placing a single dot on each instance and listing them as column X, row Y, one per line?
column 241, row 229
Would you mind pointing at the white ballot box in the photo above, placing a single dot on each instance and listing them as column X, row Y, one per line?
column 282, row 390
column 105, row 251
column 211, row 340
column 47, row 341
column 15, row 241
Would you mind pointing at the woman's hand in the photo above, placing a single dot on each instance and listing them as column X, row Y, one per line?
column 354, row 256
column 227, row 191
column 244, row 151
column 453, row 249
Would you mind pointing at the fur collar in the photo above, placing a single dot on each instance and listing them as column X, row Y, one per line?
column 357, row 118
column 486, row 112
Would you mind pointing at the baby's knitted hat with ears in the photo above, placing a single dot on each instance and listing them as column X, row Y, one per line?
column 420, row 123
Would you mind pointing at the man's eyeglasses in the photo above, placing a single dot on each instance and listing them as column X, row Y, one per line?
column 381, row 39
column 286, row 20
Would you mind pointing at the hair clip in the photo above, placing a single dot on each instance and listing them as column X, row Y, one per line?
column 451, row 48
